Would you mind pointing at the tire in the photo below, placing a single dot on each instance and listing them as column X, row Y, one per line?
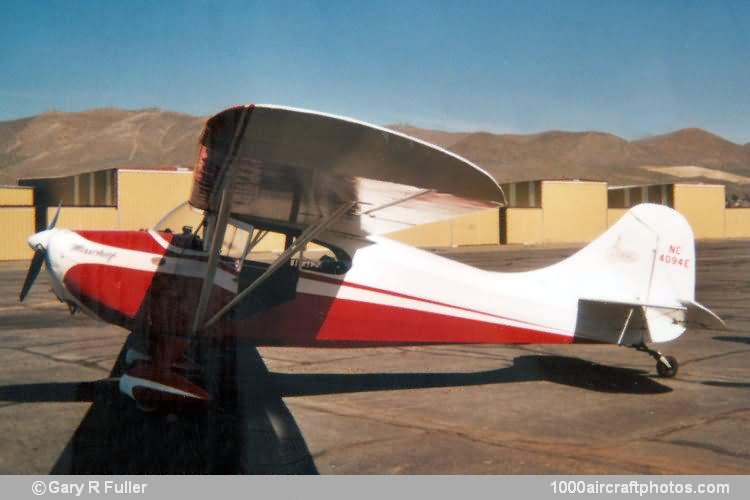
column 667, row 371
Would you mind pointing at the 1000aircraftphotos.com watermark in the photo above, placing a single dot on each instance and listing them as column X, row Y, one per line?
column 91, row 487
column 639, row 488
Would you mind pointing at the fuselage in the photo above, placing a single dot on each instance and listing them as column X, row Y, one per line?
column 392, row 294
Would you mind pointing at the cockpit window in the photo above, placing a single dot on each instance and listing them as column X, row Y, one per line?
column 244, row 243
column 236, row 242
column 322, row 259
column 180, row 218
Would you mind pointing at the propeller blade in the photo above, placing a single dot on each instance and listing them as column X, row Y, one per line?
column 34, row 268
column 54, row 219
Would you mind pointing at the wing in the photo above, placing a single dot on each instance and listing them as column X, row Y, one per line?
column 290, row 168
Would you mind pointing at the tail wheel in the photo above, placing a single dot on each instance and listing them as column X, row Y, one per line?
column 667, row 366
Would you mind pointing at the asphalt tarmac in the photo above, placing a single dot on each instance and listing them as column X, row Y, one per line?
column 450, row 409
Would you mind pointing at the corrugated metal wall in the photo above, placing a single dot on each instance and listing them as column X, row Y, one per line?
column 628, row 197
column 524, row 226
column 92, row 189
column 435, row 234
column 17, row 219
column 571, row 212
column 574, row 211
column 703, row 206
column 16, row 224
column 85, row 217
column 737, row 222
column 144, row 196
column 479, row 228
column 614, row 214
column 11, row 196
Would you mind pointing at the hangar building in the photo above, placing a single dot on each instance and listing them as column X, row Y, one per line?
column 542, row 211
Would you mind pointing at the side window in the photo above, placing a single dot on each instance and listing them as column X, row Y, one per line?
column 320, row 258
column 186, row 223
column 236, row 240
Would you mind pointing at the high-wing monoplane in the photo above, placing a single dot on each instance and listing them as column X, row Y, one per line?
column 341, row 185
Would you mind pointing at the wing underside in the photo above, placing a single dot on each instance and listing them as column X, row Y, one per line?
column 290, row 168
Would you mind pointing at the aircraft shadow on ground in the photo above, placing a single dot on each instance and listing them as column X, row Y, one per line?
column 557, row 369
column 249, row 430
column 733, row 338
column 59, row 392
column 720, row 383
column 733, row 385
column 252, row 431
column 31, row 319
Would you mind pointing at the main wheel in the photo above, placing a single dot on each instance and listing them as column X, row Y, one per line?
column 667, row 371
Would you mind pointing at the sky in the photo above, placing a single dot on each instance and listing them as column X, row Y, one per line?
column 632, row 68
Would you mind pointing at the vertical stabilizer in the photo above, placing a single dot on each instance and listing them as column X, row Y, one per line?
column 645, row 263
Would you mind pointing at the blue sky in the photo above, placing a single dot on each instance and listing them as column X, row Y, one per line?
column 632, row 68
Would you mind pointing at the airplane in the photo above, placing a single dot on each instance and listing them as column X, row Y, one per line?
column 343, row 184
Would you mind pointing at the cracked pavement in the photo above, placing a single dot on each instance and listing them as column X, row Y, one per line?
column 437, row 409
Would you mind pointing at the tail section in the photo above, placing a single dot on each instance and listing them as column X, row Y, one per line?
column 636, row 282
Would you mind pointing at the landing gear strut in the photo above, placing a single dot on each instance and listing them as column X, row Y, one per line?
column 666, row 366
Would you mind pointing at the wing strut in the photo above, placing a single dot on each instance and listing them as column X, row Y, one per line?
column 219, row 227
column 303, row 239
column 213, row 257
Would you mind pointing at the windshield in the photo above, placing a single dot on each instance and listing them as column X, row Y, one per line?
column 180, row 217
column 243, row 242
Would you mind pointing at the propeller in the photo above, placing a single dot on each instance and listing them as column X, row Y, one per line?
column 34, row 268
column 54, row 218
column 40, row 254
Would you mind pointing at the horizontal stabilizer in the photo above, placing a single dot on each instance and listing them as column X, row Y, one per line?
column 681, row 307
column 703, row 317
column 633, row 323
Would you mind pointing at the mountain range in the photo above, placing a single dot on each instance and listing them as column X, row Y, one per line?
column 61, row 143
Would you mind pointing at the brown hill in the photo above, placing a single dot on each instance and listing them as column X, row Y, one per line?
column 693, row 146
column 58, row 143
column 549, row 154
column 534, row 156
column 599, row 156
column 437, row 137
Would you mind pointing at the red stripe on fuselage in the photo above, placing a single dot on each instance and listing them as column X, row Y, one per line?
column 347, row 319
column 314, row 320
column 119, row 289
column 339, row 282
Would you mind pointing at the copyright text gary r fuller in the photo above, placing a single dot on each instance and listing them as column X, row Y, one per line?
column 91, row 487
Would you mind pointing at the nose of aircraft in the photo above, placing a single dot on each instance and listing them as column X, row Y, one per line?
column 40, row 239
